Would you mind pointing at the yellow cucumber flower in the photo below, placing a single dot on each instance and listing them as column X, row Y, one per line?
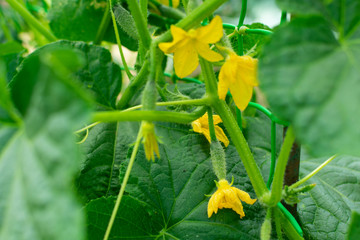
column 149, row 141
column 228, row 197
column 239, row 75
column 201, row 125
column 175, row 3
column 186, row 46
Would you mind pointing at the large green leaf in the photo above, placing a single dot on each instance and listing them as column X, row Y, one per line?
column 137, row 220
column 325, row 211
column 174, row 189
column 105, row 148
column 80, row 21
column 311, row 77
column 40, row 157
column 354, row 229
column 98, row 73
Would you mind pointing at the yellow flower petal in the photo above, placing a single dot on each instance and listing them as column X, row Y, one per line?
column 239, row 75
column 211, row 33
column 241, row 93
column 247, row 69
column 185, row 60
column 221, row 136
column 224, row 80
column 245, row 197
column 196, row 125
column 179, row 38
column 201, row 125
column 228, row 197
column 217, row 119
column 206, row 133
column 204, row 51
column 149, row 140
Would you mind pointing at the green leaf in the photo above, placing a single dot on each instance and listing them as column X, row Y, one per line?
column 80, row 21
column 40, row 157
column 175, row 185
column 98, row 73
column 311, row 78
column 325, row 211
column 7, row 111
column 105, row 148
column 10, row 48
column 252, row 43
column 136, row 219
column 341, row 14
column 354, row 228
column 126, row 21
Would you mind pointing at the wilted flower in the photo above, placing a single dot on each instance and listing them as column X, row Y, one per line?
column 150, row 141
column 228, row 197
column 201, row 125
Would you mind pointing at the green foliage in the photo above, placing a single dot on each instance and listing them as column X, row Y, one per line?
column 80, row 21
column 126, row 21
column 105, row 148
column 308, row 70
column 310, row 76
column 137, row 220
column 252, row 43
column 174, row 187
column 38, row 152
column 354, row 229
column 98, row 73
column 335, row 196
column 10, row 48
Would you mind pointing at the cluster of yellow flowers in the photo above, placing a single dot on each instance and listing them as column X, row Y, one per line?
column 238, row 74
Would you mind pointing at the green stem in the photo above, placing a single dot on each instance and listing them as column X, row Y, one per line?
column 209, row 78
column 273, row 154
column 277, row 186
column 283, row 17
column 143, row 8
column 278, row 225
column 169, row 12
column 140, row 23
column 268, row 113
column 194, row 18
column 134, row 86
column 289, row 229
column 117, row 36
column 258, row 31
column 239, row 118
column 195, row 102
column 242, row 147
column 290, row 218
column 248, row 30
column 303, row 180
column 242, row 13
column 123, row 184
column 186, row 79
column 161, row 116
column 211, row 125
column 87, row 127
column 30, row 19
column 231, row 125
column 103, row 25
